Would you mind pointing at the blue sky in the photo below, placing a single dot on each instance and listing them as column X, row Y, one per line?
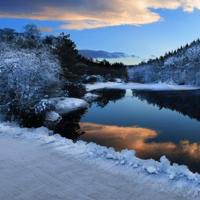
column 177, row 28
column 151, row 32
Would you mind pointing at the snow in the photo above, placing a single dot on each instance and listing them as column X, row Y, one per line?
column 139, row 86
column 151, row 170
column 52, row 116
column 43, row 105
column 87, row 162
column 118, row 80
column 26, row 75
column 66, row 105
column 61, row 105
column 94, row 78
column 180, row 67
column 89, row 97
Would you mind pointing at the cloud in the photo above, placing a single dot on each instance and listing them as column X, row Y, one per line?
column 190, row 5
column 87, row 14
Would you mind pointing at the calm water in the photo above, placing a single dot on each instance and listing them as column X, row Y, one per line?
column 152, row 123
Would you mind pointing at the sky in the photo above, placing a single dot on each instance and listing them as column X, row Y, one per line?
column 145, row 28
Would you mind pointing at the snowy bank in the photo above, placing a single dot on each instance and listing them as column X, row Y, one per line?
column 178, row 178
column 138, row 86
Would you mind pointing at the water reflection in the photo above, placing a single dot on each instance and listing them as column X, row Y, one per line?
column 108, row 95
column 138, row 139
column 184, row 102
column 143, row 121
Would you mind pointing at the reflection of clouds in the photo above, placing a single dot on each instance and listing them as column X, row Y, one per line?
column 192, row 150
column 137, row 138
column 81, row 14
column 119, row 137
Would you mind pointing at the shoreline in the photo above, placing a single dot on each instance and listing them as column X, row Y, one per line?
column 36, row 151
column 140, row 86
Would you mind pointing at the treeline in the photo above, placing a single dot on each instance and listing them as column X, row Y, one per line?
column 74, row 66
column 30, row 38
column 181, row 50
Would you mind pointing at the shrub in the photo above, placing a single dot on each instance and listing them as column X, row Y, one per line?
column 75, row 90
column 26, row 75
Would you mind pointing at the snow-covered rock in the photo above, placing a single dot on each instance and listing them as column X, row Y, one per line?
column 118, row 80
column 89, row 97
column 44, row 106
column 61, row 105
column 64, row 105
column 93, row 78
column 53, row 116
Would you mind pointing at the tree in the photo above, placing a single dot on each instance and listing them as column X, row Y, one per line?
column 7, row 34
column 32, row 35
column 49, row 40
column 26, row 75
column 66, row 51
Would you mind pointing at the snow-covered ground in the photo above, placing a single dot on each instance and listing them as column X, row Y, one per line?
column 35, row 164
column 139, row 86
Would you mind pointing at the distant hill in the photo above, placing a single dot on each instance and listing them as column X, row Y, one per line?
column 103, row 54
column 181, row 66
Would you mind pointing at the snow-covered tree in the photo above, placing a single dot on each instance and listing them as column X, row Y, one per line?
column 181, row 67
column 26, row 75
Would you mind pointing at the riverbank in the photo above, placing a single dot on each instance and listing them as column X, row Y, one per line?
column 140, row 86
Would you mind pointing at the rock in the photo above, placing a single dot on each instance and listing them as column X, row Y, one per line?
column 89, row 97
column 53, row 116
column 93, row 79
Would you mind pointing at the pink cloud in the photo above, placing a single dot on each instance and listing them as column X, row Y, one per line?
column 87, row 14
